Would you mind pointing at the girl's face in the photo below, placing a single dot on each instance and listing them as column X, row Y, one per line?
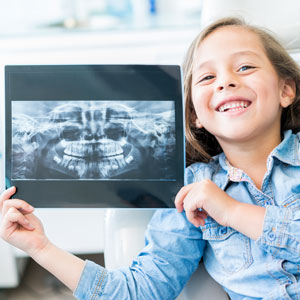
column 237, row 94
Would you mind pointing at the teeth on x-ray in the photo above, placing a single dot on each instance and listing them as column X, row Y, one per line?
column 91, row 139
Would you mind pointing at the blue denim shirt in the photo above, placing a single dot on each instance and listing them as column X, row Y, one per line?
column 268, row 268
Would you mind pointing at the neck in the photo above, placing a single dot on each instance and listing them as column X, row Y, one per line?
column 251, row 156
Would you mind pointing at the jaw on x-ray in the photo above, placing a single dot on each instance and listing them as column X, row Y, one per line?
column 95, row 140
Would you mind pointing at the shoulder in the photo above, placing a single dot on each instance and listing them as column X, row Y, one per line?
column 199, row 171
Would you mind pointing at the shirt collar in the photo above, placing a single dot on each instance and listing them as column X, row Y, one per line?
column 287, row 151
column 233, row 174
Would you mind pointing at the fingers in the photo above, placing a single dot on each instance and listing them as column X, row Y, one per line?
column 6, row 195
column 189, row 199
column 13, row 213
column 179, row 199
column 13, row 217
column 196, row 217
column 201, row 217
column 6, row 203
column 21, row 205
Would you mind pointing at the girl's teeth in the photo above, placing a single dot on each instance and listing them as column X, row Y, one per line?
column 234, row 106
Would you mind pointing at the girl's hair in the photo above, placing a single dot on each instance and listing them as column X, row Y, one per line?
column 200, row 144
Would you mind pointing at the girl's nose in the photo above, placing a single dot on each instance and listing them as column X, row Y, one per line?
column 225, row 86
column 227, row 80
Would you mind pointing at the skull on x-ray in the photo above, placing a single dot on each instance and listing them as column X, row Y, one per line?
column 90, row 140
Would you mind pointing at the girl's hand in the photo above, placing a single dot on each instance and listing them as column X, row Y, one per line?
column 209, row 198
column 19, row 226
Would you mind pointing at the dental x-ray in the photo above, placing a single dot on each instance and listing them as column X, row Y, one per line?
column 93, row 140
column 94, row 136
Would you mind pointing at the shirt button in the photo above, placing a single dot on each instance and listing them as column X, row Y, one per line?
column 271, row 236
column 223, row 230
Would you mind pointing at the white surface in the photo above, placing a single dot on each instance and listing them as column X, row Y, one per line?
column 124, row 235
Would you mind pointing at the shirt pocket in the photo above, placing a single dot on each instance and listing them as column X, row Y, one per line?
column 231, row 248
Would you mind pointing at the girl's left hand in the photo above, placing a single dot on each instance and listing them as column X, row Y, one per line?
column 209, row 198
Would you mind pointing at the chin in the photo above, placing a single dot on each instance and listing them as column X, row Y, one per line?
column 235, row 136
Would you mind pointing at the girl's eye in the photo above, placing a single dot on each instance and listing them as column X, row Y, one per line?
column 209, row 77
column 245, row 68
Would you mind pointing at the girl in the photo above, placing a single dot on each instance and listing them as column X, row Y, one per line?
column 242, row 192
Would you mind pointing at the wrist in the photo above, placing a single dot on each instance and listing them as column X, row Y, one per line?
column 233, row 208
column 248, row 219
column 65, row 266
column 40, row 250
column 234, row 213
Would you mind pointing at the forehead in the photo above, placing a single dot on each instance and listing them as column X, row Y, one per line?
column 228, row 40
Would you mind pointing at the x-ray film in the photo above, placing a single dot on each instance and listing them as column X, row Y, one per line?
column 94, row 136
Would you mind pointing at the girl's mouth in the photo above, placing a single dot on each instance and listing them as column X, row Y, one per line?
column 232, row 106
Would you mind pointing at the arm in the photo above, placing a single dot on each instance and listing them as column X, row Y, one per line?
column 207, row 196
column 247, row 219
column 172, row 253
column 22, row 229
column 63, row 265
column 275, row 229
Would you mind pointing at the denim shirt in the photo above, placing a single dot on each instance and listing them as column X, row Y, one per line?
column 266, row 268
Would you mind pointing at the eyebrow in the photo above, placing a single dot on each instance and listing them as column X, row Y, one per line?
column 236, row 54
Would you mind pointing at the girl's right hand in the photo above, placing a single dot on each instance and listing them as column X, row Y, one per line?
column 19, row 226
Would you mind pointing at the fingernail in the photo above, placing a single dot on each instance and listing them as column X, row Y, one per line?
column 30, row 226
column 26, row 221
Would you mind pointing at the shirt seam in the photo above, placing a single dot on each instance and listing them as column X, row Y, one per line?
column 99, row 284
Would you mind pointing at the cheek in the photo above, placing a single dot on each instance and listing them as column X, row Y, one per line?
column 269, row 92
column 201, row 99
column 266, row 84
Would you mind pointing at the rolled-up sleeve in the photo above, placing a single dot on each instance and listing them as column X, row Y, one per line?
column 281, row 233
column 91, row 280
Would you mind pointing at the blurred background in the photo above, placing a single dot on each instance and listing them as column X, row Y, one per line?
column 107, row 32
column 97, row 31
column 33, row 16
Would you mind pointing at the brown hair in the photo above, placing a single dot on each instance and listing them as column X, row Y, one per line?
column 200, row 144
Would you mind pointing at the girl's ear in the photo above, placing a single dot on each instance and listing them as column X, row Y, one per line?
column 198, row 123
column 288, row 92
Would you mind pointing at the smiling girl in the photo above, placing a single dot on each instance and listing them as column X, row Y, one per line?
column 242, row 196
